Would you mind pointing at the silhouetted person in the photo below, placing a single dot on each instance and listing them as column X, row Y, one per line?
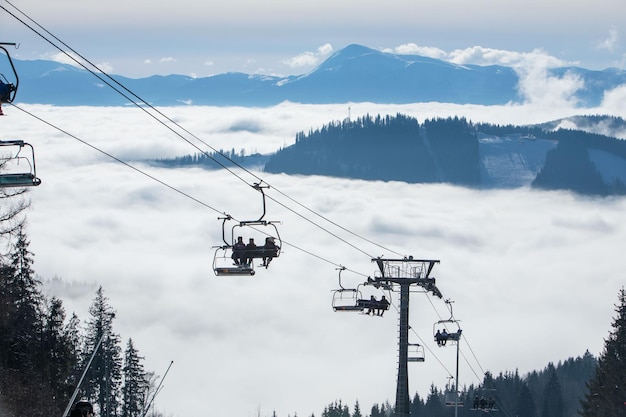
column 239, row 249
column 444, row 337
column 270, row 250
column 251, row 250
column 438, row 337
column 371, row 305
column 383, row 305
column 82, row 408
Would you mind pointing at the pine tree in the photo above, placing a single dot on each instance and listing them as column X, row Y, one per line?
column 357, row 410
column 434, row 405
column 135, row 383
column 552, row 398
column 525, row 406
column 104, row 377
column 24, row 306
column 59, row 359
column 417, row 406
column 606, row 391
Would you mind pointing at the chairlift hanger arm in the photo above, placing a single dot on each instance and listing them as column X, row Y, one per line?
column 341, row 269
column 10, row 96
column 224, row 220
column 259, row 187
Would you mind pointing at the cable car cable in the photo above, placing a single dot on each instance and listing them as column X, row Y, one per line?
column 152, row 177
column 121, row 93
column 178, row 134
column 186, row 131
column 203, row 152
column 479, row 378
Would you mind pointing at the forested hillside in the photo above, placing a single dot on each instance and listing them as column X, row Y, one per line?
column 555, row 391
column 451, row 150
column 385, row 148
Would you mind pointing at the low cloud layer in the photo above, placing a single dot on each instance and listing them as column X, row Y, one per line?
column 519, row 264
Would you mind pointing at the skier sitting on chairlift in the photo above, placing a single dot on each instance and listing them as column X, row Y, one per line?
column 238, row 251
column 270, row 250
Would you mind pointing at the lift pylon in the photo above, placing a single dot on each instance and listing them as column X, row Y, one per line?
column 404, row 273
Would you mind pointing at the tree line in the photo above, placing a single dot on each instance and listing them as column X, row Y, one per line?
column 584, row 386
column 439, row 150
column 43, row 352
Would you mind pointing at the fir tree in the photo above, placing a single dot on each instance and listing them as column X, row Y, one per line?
column 525, row 406
column 135, row 383
column 552, row 398
column 357, row 410
column 58, row 353
column 104, row 377
column 606, row 391
column 434, row 405
column 25, row 316
column 417, row 406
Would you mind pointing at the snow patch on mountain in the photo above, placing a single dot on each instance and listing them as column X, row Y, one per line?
column 511, row 161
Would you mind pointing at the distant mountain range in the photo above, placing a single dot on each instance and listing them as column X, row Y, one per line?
column 353, row 74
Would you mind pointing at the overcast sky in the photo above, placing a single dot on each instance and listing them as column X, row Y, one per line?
column 519, row 265
column 140, row 38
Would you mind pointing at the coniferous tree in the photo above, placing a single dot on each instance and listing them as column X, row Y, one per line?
column 58, row 353
column 552, row 398
column 375, row 411
column 74, row 339
column 417, row 406
column 606, row 391
column 135, row 383
column 525, row 406
column 434, row 405
column 357, row 410
column 25, row 306
column 104, row 377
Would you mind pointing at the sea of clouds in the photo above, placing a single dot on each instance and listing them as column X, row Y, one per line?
column 533, row 275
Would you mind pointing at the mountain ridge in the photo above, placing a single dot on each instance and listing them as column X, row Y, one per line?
column 453, row 151
column 355, row 73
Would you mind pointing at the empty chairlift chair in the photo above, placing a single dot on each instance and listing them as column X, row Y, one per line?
column 17, row 164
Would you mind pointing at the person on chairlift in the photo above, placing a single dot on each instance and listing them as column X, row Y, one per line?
column 383, row 305
column 251, row 250
column 269, row 251
column 238, row 251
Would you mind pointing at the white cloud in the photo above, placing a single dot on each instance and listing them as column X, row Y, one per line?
column 167, row 59
column 489, row 56
column 69, row 58
column 274, row 336
column 610, row 42
column 479, row 55
column 414, row 49
column 613, row 102
column 308, row 58
column 537, row 87
column 74, row 60
column 325, row 50
column 105, row 67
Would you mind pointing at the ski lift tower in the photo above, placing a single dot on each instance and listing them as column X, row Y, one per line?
column 404, row 273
